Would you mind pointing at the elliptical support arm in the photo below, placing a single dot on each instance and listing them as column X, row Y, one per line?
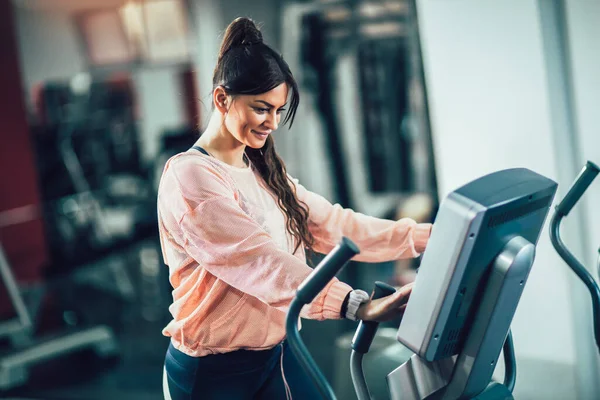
column 583, row 181
column 307, row 291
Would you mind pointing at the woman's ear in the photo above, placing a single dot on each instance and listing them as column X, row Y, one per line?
column 221, row 100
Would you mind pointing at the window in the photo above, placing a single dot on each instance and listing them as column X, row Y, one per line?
column 152, row 31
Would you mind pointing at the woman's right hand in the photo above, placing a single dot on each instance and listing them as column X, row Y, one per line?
column 385, row 308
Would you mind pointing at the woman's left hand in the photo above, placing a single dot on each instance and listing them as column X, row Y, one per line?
column 385, row 308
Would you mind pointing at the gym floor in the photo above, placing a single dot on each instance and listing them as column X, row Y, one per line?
column 136, row 374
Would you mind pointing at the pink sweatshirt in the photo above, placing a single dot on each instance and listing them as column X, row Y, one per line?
column 230, row 256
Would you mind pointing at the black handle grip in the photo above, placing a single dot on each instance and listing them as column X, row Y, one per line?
column 365, row 333
column 583, row 181
column 326, row 270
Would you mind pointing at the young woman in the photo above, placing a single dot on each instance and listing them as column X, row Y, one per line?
column 234, row 229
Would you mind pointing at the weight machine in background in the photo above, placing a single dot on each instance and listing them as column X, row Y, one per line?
column 365, row 121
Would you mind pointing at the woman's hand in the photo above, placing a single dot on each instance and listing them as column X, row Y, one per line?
column 385, row 308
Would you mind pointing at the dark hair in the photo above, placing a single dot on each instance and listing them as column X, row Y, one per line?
column 247, row 66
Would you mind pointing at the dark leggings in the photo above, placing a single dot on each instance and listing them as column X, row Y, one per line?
column 241, row 374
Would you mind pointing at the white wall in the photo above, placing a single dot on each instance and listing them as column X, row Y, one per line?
column 207, row 25
column 160, row 104
column 488, row 96
column 48, row 46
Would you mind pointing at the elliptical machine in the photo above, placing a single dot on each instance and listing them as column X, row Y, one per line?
column 458, row 317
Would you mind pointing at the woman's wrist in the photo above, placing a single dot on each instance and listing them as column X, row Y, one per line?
column 360, row 312
column 355, row 300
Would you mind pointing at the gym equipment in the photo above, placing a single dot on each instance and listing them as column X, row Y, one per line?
column 458, row 317
column 25, row 350
column 582, row 182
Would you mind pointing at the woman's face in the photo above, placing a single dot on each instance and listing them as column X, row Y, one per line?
column 252, row 118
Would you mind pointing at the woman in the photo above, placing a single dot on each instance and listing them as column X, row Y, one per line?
column 234, row 228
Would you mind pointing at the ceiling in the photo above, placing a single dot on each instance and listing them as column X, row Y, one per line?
column 67, row 5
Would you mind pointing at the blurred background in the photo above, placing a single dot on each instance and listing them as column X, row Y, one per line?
column 402, row 102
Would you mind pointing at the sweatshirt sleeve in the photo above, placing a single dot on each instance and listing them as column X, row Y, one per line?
column 228, row 243
column 378, row 239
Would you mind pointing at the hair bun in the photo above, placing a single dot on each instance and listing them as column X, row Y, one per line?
column 241, row 32
column 250, row 34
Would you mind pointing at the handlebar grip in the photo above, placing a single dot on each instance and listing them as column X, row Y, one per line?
column 382, row 289
column 326, row 270
column 583, row 181
column 365, row 333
